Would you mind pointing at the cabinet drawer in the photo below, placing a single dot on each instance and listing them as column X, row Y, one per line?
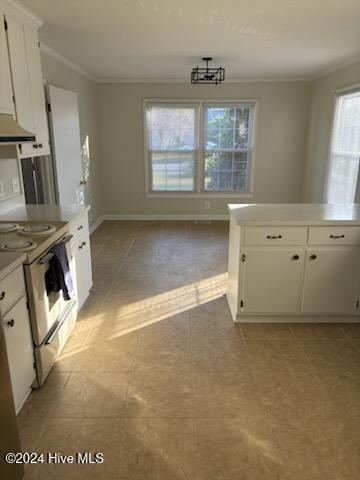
column 79, row 228
column 275, row 235
column 11, row 289
column 334, row 236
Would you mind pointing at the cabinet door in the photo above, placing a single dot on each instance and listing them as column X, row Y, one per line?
column 331, row 280
column 37, row 91
column 20, row 80
column 83, row 270
column 272, row 280
column 6, row 95
column 19, row 350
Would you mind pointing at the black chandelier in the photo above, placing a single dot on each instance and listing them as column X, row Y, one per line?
column 207, row 75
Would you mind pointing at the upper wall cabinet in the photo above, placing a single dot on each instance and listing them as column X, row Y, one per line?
column 6, row 96
column 28, row 88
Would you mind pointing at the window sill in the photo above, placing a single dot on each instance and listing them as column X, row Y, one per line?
column 211, row 195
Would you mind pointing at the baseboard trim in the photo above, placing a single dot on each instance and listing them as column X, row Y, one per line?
column 96, row 224
column 164, row 217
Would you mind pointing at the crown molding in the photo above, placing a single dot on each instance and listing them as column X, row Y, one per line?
column 17, row 8
column 347, row 63
column 187, row 81
column 60, row 58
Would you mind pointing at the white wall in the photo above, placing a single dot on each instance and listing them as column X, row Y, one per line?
column 60, row 75
column 319, row 131
column 280, row 149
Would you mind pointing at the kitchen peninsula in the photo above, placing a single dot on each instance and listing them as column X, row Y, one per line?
column 294, row 262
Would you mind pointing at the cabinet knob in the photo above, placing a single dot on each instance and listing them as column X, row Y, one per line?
column 80, row 227
column 40, row 145
column 313, row 257
column 80, row 247
column 295, row 257
column 273, row 237
column 2, row 295
column 337, row 236
column 35, row 145
column 10, row 323
column 83, row 244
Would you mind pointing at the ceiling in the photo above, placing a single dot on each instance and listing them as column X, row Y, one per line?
column 164, row 39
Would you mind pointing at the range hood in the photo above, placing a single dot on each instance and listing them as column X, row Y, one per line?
column 11, row 132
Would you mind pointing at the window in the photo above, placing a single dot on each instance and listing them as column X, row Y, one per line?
column 199, row 147
column 172, row 146
column 227, row 147
column 342, row 182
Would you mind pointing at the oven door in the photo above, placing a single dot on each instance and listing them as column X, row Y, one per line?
column 47, row 353
column 45, row 310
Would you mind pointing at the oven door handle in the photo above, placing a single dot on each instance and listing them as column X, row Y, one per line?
column 59, row 324
column 46, row 258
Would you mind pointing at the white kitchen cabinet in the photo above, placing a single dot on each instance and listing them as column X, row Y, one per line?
column 272, row 280
column 19, row 348
column 80, row 248
column 27, row 83
column 294, row 263
column 6, row 94
column 15, row 323
column 20, row 80
column 331, row 280
column 37, row 90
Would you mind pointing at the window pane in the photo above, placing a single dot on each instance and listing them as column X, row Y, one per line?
column 226, row 171
column 228, row 146
column 172, row 171
column 171, row 128
column 345, row 151
column 226, row 128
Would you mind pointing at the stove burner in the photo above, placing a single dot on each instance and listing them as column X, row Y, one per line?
column 18, row 246
column 39, row 230
column 8, row 227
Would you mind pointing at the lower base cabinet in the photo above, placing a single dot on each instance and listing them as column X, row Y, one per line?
column 16, row 324
column 294, row 273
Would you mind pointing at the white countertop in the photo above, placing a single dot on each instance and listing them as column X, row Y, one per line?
column 54, row 213
column 295, row 214
column 9, row 261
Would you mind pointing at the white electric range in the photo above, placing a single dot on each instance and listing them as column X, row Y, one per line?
column 52, row 318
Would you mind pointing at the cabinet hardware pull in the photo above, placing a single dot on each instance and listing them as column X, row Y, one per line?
column 80, row 247
column 35, row 145
column 40, row 145
column 10, row 323
column 337, row 236
column 83, row 182
column 83, row 244
column 80, row 227
column 2, row 295
column 295, row 257
column 313, row 257
column 273, row 237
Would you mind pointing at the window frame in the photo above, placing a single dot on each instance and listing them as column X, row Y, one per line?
column 334, row 117
column 199, row 170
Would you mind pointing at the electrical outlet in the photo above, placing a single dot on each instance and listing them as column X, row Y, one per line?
column 15, row 185
column 207, row 205
column 2, row 191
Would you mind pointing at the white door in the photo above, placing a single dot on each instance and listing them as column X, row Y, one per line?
column 65, row 133
column 272, row 280
column 36, row 83
column 6, row 100
column 19, row 347
column 20, row 80
column 331, row 280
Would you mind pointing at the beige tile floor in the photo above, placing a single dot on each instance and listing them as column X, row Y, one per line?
column 158, row 378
